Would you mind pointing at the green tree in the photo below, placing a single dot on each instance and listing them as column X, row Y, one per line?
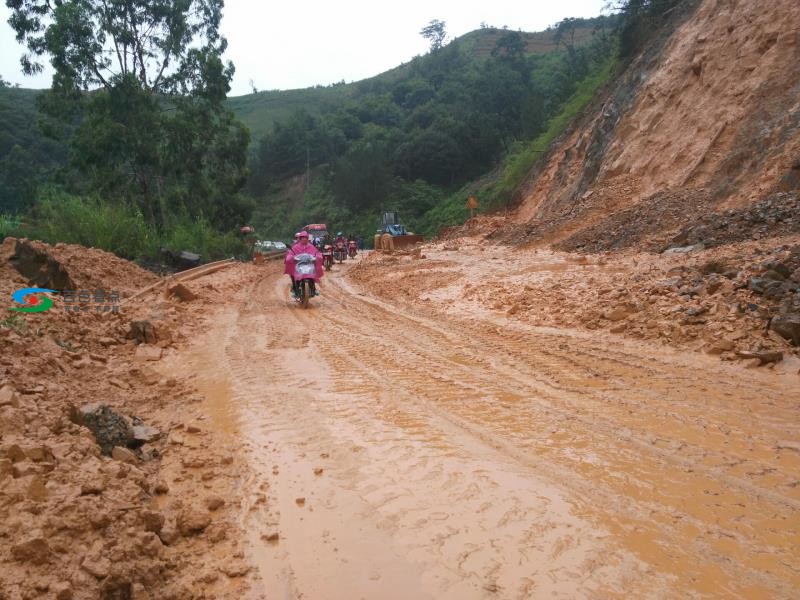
column 91, row 43
column 435, row 33
column 362, row 177
column 510, row 45
column 156, row 130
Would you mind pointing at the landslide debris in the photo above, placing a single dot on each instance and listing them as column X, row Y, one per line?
column 95, row 500
column 660, row 222
column 727, row 300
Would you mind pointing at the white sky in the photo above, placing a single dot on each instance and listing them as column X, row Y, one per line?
column 295, row 44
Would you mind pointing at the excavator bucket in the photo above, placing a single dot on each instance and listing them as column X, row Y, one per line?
column 389, row 242
column 404, row 241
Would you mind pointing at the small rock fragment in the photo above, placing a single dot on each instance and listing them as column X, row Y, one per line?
column 214, row 502
column 183, row 293
column 193, row 520
column 35, row 551
column 124, row 455
column 8, row 397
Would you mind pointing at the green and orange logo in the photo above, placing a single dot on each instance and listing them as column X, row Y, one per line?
column 31, row 300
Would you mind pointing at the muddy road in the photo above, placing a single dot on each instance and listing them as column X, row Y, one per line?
column 398, row 452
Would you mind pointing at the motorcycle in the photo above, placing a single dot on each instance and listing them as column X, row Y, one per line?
column 305, row 270
column 352, row 249
column 327, row 257
column 339, row 253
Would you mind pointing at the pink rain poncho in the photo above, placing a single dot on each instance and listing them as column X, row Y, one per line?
column 300, row 248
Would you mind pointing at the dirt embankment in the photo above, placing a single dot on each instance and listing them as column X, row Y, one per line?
column 111, row 485
column 712, row 122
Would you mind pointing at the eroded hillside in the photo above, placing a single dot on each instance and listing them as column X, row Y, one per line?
column 710, row 123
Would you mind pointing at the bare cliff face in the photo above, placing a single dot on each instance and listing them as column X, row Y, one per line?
column 707, row 121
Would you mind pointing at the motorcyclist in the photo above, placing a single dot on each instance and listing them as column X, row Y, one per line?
column 302, row 246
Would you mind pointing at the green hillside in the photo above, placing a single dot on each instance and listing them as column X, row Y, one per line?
column 260, row 111
column 412, row 137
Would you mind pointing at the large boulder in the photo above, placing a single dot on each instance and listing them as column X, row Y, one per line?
column 787, row 326
column 180, row 260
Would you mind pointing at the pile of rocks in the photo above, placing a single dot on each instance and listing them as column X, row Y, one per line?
column 776, row 215
column 85, row 507
column 660, row 222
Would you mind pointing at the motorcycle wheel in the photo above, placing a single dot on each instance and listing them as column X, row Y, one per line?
column 304, row 293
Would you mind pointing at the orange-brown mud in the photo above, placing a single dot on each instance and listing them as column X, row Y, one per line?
column 422, row 430
column 427, row 444
column 156, row 522
column 545, row 404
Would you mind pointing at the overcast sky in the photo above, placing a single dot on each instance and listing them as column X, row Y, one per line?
column 293, row 44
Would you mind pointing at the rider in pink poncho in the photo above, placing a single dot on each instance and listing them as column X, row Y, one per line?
column 303, row 246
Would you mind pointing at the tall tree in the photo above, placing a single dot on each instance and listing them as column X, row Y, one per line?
column 435, row 33
column 154, row 126
column 92, row 43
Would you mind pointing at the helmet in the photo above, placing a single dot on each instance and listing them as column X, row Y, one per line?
column 339, row 233
column 302, row 234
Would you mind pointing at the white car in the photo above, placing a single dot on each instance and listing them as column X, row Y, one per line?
column 279, row 245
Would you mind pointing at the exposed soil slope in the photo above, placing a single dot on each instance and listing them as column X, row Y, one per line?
column 711, row 122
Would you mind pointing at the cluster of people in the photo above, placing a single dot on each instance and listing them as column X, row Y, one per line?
column 319, row 242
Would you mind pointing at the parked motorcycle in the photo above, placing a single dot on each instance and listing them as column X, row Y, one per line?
column 352, row 248
column 327, row 257
column 305, row 270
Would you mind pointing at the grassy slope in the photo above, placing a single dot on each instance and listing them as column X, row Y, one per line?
column 259, row 111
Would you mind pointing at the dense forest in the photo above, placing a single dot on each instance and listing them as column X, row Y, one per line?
column 127, row 154
column 410, row 138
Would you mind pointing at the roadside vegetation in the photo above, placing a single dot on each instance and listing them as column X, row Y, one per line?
column 148, row 160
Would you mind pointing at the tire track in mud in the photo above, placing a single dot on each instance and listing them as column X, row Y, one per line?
column 599, row 422
column 414, row 484
column 473, row 459
column 782, row 507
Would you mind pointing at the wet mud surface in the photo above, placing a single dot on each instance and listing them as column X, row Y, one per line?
column 398, row 450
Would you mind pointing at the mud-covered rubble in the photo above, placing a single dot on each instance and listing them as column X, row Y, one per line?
column 709, row 300
column 660, row 222
column 741, row 302
column 776, row 215
column 104, row 493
